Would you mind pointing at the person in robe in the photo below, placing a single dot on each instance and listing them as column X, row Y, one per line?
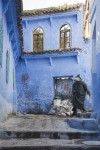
column 79, row 92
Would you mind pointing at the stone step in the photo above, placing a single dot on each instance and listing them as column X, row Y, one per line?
column 83, row 124
column 71, row 134
column 49, row 144
column 52, row 127
column 84, row 114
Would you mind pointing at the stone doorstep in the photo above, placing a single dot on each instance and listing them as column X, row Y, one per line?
column 80, row 115
column 83, row 124
column 71, row 134
column 23, row 127
column 49, row 144
column 84, row 114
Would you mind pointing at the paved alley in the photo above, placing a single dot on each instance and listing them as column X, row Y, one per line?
column 49, row 132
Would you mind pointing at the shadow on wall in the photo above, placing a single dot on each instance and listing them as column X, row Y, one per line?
column 5, row 108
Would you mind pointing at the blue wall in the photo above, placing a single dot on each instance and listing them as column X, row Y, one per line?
column 38, row 87
column 98, row 51
column 35, row 72
column 95, row 51
column 8, row 35
column 51, row 25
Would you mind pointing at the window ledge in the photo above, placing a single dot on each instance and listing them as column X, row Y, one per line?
column 47, row 54
column 56, row 51
column 28, row 56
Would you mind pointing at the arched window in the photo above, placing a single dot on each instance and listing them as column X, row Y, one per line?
column 38, row 39
column 7, row 67
column 65, row 36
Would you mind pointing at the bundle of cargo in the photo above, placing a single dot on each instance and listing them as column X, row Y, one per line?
column 61, row 107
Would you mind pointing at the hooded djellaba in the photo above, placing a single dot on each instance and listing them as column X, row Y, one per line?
column 79, row 91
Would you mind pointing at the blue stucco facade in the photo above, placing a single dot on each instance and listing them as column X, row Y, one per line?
column 27, row 83
column 95, row 49
column 35, row 72
column 9, row 46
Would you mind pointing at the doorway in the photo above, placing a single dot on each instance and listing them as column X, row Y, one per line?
column 63, row 87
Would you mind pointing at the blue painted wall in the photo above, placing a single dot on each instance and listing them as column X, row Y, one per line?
column 8, row 35
column 98, row 51
column 95, row 49
column 51, row 25
column 35, row 72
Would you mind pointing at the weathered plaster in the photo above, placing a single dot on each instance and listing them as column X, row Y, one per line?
column 36, row 92
column 7, row 90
